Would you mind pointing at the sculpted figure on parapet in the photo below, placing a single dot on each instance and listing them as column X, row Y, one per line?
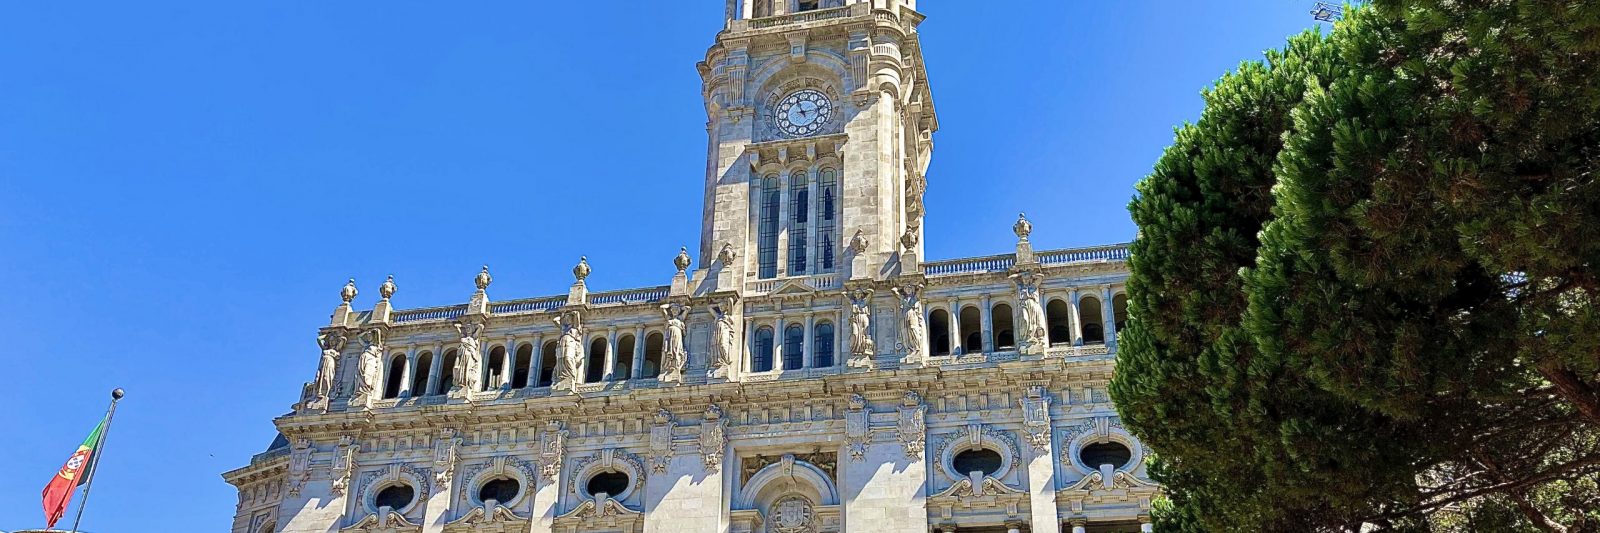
column 569, row 351
column 367, row 367
column 466, row 371
column 1033, row 319
column 331, row 343
column 861, row 345
column 726, row 345
column 674, row 356
column 913, row 328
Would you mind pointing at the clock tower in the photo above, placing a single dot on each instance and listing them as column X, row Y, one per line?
column 820, row 127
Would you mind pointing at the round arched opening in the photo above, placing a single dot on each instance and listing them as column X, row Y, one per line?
column 503, row 490
column 981, row 460
column 612, row 483
column 1113, row 453
column 395, row 497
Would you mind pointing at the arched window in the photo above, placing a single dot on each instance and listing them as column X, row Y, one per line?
column 419, row 376
column 767, row 232
column 1059, row 317
column 397, row 375
column 794, row 344
column 761, row 353
column 653, row 348
column 799, row 216
column 1119, row 310
column 524, row 365
column 493, row 373
column 822, row 345
column 763, row 8
column 971, row 330
column 1001, row 317
column 624, row 365
column 939, row 331
column 447, row 375
column 1089, row 313
column 596, row 370
column 827, row 190
column 547, row 363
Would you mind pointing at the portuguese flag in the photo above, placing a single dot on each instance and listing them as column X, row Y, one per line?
column 74, row 473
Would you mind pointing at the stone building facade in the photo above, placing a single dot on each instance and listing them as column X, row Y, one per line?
column 804, row 371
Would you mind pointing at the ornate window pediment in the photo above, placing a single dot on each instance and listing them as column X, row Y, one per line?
column 392, row 522
column 600, row 514
column 488, row 519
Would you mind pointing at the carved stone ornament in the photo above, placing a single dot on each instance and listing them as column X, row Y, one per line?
column 858, row 243
column 726, row 255
column 912, row 428
column 682, row 260
column 861, row 345
column 1034, row 338
column 446, row 455
column 608, row 459
column 581, row 271
column 344, row 462
column 1036, row 417
column 713, row 438
column 674, row 357
column 387, row 289
column 908, row 240
column 490, row 513
column 913, row 325
column 725, row 345
column 552, row 447
column 348, row 293
column 483, row 279
column 1022, row 228
column 793, row 514
column 391, row 522
column 661, row 445
column 299, row 464
column 322, row 386
column 470, row 359
column 857, row 431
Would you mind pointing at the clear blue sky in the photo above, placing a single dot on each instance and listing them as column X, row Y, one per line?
column 184, row 188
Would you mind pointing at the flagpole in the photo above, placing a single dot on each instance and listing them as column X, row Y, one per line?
column 94, row 461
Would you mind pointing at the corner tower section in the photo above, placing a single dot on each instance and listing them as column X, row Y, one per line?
column 820, row 128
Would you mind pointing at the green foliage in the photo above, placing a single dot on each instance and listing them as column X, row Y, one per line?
column 1364, row 286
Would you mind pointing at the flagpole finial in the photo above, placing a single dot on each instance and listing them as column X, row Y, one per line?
column 116, row 394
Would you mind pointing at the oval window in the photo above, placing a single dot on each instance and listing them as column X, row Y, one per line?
column 395, row 497
column 981, row 460
column 611, row 483
column 1102, row 453
column 503, row 490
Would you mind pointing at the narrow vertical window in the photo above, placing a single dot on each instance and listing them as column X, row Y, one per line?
column 767, row 232
column 822, row 346
column 761, row 355
column 794, row 343
column 827, row 189
column 800, row 209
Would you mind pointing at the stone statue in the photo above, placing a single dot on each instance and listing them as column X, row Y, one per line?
column 1034, row 338
column 467, row 365
column 726, row 344
column 368, row 367
column 861, row 345
column 569, row 350
column 674, row 356
column 726, row 255
column 858, row 243
column 331, row 344
column 913, row 326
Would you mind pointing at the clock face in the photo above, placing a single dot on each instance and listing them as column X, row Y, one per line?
column 803, row 112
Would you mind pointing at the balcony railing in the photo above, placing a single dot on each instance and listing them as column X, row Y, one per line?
column 1110, row 252
column 796, row 18
column 1001, row 263
column 994, row 263
column 529, row 304
column 630, row 296
column 430, row 313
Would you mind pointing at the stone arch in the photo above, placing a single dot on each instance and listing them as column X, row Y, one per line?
column 394, row 375
column 784, row 478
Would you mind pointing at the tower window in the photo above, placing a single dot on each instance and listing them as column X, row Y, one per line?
column 822, row 346
column 794, row 342
column 597, row 362
column 827, row 187
column 800, row 209
column 767, row 232
column 761, row 355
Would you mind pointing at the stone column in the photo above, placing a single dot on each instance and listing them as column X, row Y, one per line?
column 1109, row 318
column 987, row 312
column 1077, row 321
column 508, row 364
column 545, row 494
column 887, row 491
column 953, row 308
column 436, row 509
column 785, row 223
column 778, row 338
column 840, row 334
column 807, row 358
column 437, row 367
column 814, row 252
column 749, row 359
column 1041, row 469
column 638, row 352
column 611, row 355
column 408, row 371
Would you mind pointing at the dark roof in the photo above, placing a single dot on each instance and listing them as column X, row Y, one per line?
column 278, row 442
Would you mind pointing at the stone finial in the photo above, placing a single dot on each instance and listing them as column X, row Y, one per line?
column 387, row 289
column 908, row 240
column 348, row 293
column 483, row 279
column 682, row 260
column 858, row 243
column 1022, row 227
column 582, row 270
